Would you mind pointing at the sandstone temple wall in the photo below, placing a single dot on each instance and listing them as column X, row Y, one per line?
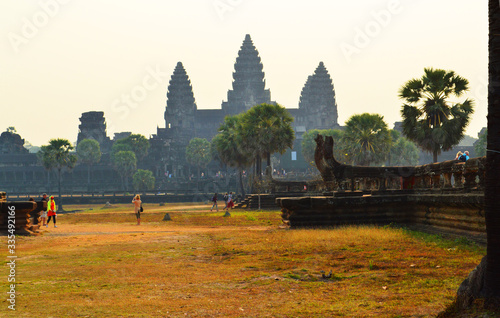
column 445, row 214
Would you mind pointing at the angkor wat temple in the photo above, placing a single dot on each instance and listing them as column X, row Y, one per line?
column 317, row 109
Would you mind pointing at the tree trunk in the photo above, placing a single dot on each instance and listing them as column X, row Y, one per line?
column 492, row 181
column 88, row 178
column 198, row 178
column 435, row 156
column 60, row 205
column 484, row 281
column 259, row 167
column 48, row 181
column 242, row 190
column 268, row 159
column 256, row 166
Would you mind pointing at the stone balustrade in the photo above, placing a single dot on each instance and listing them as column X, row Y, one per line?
column 450, row 175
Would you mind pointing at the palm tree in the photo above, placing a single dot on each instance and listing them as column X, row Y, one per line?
column 56, row 155
column 267, row 128
column 366, row 139
column 429, row 119
column 232, row 147
column 89, row 152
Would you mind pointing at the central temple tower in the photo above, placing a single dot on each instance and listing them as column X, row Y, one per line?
column 248, row 81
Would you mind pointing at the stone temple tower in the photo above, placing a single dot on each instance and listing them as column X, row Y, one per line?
column 93, row 126
column 317, row 106
column 248, row 81
column 181, row 106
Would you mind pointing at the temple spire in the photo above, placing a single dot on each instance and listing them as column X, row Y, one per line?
column 317, row 101
column 181, row 105
column 248, row 81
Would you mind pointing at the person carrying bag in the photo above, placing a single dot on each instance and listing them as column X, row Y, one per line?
column 138, row 208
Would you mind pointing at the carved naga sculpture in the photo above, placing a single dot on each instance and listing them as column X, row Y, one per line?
column 334, row 172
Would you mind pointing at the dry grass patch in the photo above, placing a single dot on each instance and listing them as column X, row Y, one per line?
column 204, row 265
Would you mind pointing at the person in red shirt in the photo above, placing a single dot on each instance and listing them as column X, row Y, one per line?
column 51, row 210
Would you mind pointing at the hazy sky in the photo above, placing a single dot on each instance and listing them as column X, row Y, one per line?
column 60, row 58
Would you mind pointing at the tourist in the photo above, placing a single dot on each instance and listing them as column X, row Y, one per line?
column 137, row 208
column 230, row 203
column 457, row 157
column 51, row 211
column 464, row 157
column 43, row 211
column 214, row 200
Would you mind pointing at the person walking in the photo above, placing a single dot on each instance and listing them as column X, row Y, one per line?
column 214, row 200
column 43, row 211
column 51, row 211
column 230, row 203
column 137, row 208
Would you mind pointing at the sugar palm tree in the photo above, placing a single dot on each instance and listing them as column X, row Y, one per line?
column 56, row 155
column 232, row 148
column 267, row 128
column 429, row 118
column 366, row 139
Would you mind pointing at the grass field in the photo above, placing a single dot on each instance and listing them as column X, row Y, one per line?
column 98, row 263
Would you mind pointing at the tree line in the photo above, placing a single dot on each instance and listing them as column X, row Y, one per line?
column 58, row 155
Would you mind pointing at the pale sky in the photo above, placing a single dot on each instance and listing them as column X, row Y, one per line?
column 60, row 58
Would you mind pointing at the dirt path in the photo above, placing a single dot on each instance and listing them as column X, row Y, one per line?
column 108, row 229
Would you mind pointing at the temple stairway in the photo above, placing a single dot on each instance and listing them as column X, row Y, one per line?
column 251, row 201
